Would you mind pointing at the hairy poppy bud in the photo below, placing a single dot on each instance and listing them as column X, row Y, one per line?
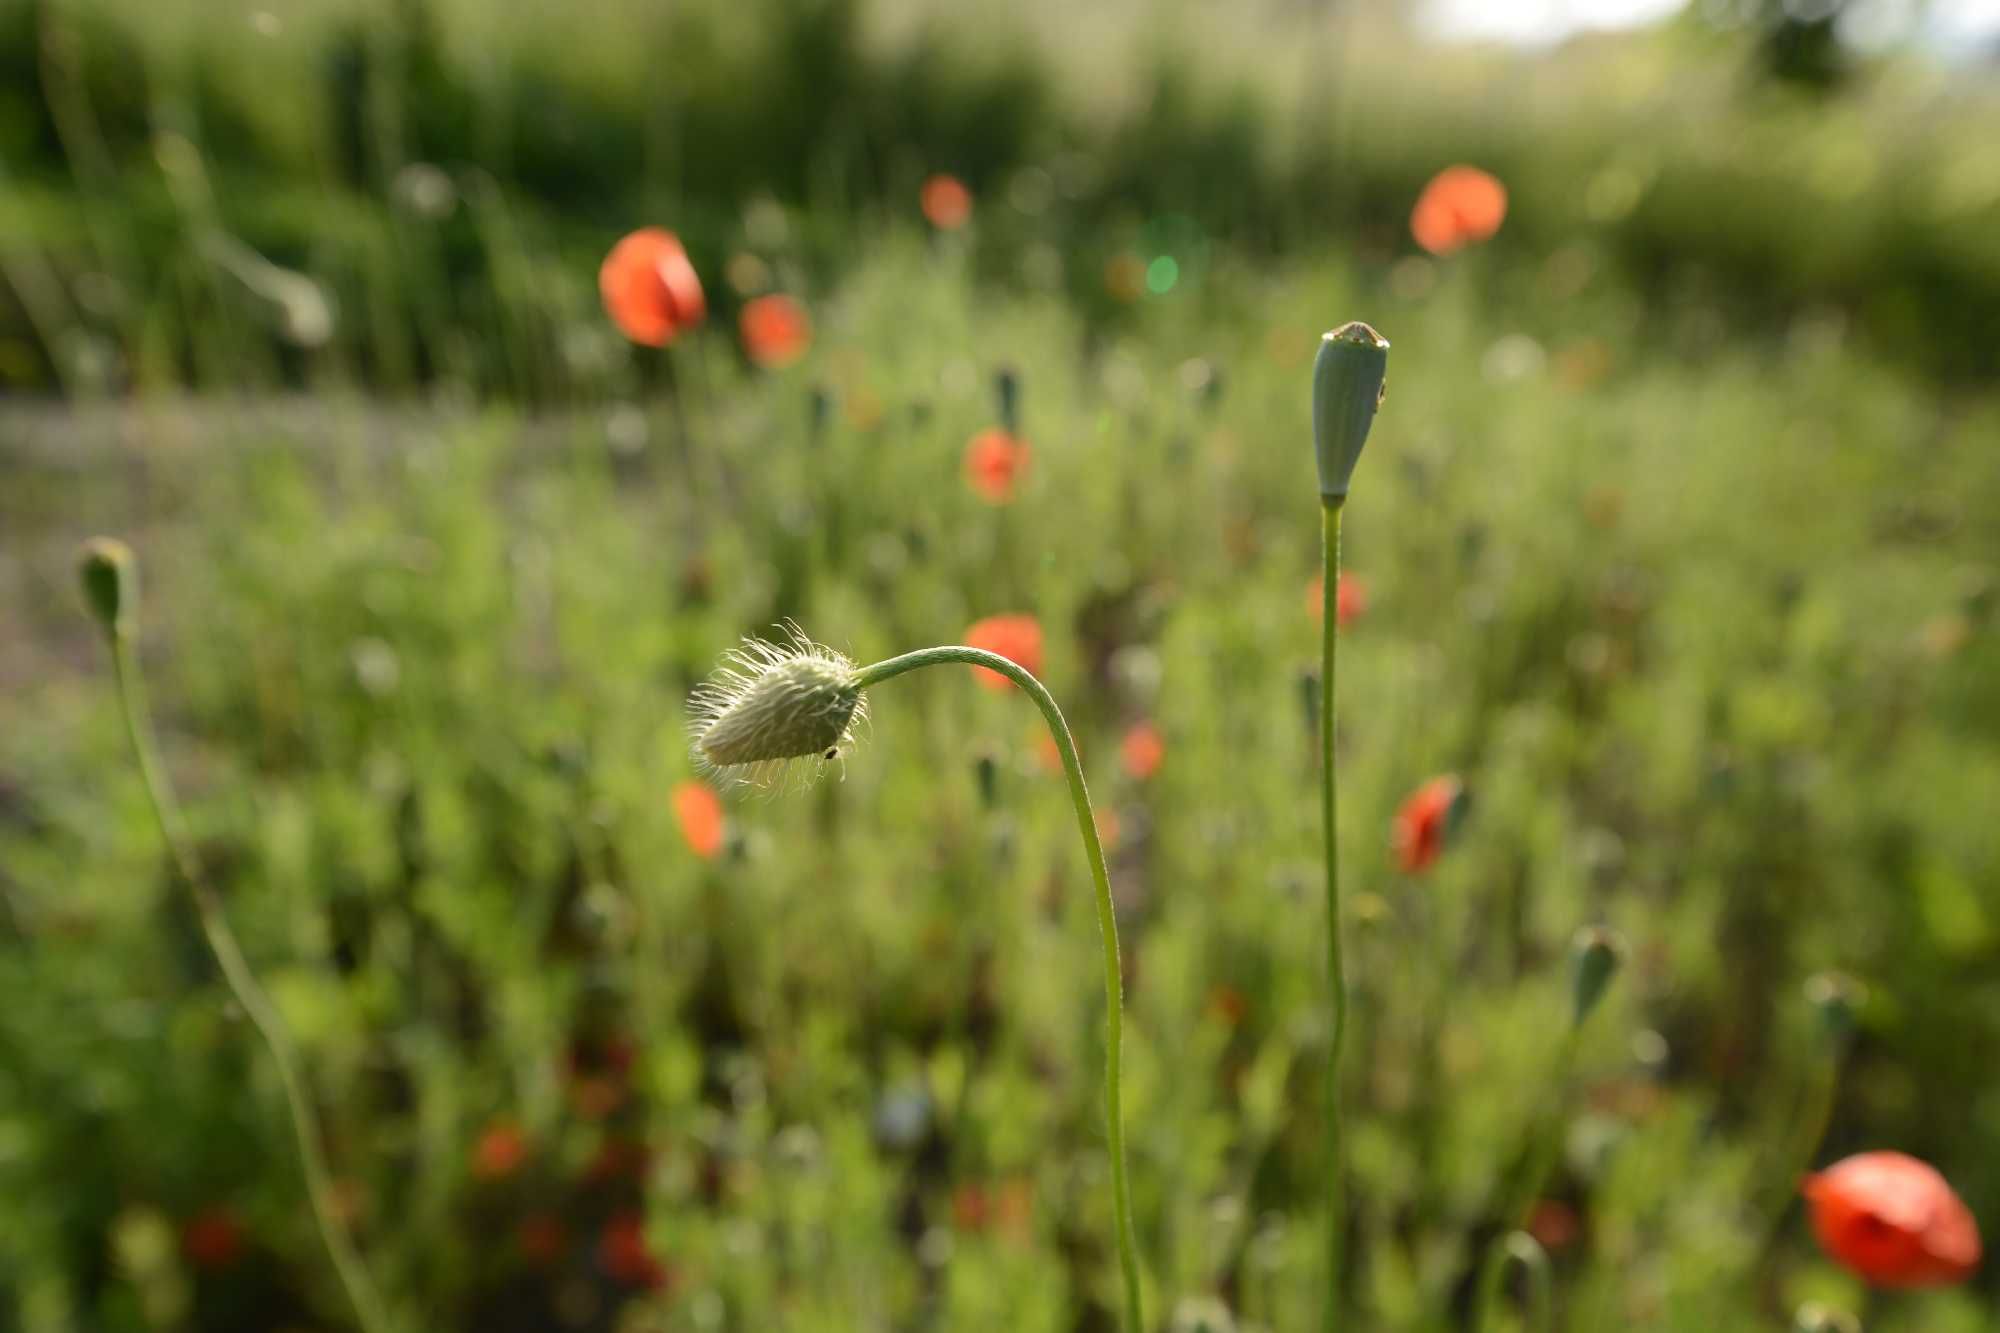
column 110, row 583
column 1347, row 388
column 773, row 703
column 1594, row 956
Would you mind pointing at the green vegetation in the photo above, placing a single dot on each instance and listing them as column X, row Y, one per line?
column 1678, row 531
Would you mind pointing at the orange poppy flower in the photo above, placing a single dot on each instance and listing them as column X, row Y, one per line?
column 1350, row 599
column 625, row 1257
column 1423, row 821
column 1142, row 751
column 1461, row 206
column 1892, row 1220
column 212, row 1239
column 994, row 463
column 650, row 289
column 1018, row 638
column 500, row 1151
column 699, row 812
column 946, row 202
column 776, row 330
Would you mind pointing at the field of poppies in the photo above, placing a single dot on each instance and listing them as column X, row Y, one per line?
column 413, row 916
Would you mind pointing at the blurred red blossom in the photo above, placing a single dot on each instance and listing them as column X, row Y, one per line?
column 623, row 1254
column 1893, row 1220
column 698, row 811
column 946, row 202
column 1016, row 637
column 499, row 1151
column 1350, row 597
column 994, row 463
column 1142, row 750
column 212, row 1239
column 650, row 289
column 1423, row 820
column 776, row 331
column 1459, row 207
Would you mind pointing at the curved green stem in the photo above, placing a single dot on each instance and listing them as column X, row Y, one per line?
column 1107, row 921
column 243, row 984
column 1525, row 1250
column 1541, row 1161
column 1336, row 977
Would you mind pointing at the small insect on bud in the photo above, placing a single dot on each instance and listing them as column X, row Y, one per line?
column 1594, row 957
column 771, row 707
column 110, row 577
column 1836, row 998
column 1347, row 388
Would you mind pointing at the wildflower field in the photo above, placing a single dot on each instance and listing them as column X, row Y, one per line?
column 459, row 390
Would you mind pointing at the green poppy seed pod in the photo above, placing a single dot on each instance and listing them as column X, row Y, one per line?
column 1836, row 998
column 772, row 705
column 110, row 578
column 1347, row 388
column 1594, row 957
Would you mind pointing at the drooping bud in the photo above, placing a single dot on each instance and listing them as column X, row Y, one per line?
column 771, row 704
column 110, row 578
column 1594, row 957
column 1347, row 388
column 1836, row 998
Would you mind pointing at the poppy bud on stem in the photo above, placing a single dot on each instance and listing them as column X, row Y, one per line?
column 1595, row 956
column 111, row 585
column 1347, row 388
column 772, row 704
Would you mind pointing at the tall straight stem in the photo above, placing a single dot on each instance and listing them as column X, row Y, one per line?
column 243, row 984
column 1107, row 923
column 1336, row 976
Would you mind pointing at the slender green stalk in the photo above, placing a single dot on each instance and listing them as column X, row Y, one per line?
column 1521, row 1248
column 1107, row 921
column 1541, row 1161
column 1336, row 976
column 368, row 1310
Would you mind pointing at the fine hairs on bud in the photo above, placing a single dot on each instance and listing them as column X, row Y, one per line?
column 772, row 708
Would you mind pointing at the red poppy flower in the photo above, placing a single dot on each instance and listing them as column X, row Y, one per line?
column 1554, row 1225
column 946, row 202
column 1142, row 751
column 1228, row 1004
column 994, row 463
column 650, row 289
column 699, row 812
column 970, row 1207
column 212, row 1239
column 1018, row 638
column 776, row 331
column 1350, row 599
column 1423, row 820
column 500, row 1151
column 625, row 1257
column 1893, row 1220
column 1461, row 206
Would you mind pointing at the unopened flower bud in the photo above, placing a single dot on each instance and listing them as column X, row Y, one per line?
column 1836, row 998
column 1594, row 958
column 772, row 704
column 110, row 583
column 1347, row 388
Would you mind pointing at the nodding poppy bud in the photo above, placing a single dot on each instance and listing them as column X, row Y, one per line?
column 1836, row 998
column 773, row 703
column 110, row 578
column 1594, row 956
column 1347, row 388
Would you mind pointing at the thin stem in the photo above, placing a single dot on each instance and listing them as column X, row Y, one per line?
column 1541, row 1161
column 368, row 1310
column 1336, row 976
column 1107, row 922
column 1525, row 1250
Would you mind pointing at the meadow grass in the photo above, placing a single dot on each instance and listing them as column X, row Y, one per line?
column 1702, row 617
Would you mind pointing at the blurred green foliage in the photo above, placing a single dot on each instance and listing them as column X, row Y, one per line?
column 1707, row 630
